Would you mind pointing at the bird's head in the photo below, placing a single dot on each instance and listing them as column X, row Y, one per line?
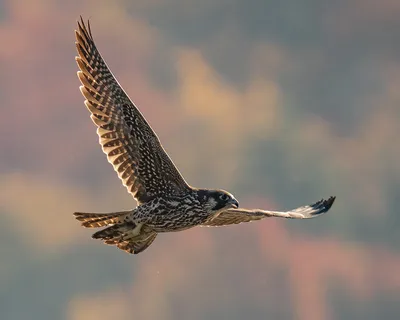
column 217, row 200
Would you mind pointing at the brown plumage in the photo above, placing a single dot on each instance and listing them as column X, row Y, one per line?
column 236, row 216
column 131, row 145
column 94, row 220
column 166, row 202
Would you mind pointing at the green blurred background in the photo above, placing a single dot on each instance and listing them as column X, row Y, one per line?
column 280, row 102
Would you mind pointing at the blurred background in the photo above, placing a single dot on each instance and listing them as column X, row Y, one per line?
column 280, row 102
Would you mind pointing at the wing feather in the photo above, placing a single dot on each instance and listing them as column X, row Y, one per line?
column 236, row 216
column 131, row 145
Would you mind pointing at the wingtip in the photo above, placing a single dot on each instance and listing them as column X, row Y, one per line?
column 329, row 202
column 325, row 205
column 84, row 28
column 81, row 21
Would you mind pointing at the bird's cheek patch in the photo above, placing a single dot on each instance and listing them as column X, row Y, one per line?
column 212, row 204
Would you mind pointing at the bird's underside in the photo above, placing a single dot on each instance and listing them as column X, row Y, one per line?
column 166, row 202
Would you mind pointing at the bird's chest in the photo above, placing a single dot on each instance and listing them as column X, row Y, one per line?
column 176, row 215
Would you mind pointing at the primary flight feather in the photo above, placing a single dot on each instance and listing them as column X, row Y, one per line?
column 166, row 202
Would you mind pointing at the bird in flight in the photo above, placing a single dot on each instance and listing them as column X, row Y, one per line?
column 166, row 203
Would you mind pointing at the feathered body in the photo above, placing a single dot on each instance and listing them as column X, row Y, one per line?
column 161, row 214
column 166, row 203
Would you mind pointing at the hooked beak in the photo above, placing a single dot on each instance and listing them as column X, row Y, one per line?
column 234, row 203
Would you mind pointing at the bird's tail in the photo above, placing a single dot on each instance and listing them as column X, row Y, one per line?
column 96, row 220
column 126, row 238
column 123, row 233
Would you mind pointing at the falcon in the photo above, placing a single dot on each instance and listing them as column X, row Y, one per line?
column 165, row 201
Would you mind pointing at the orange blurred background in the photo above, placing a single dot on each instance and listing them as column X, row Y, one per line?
column 280, row 102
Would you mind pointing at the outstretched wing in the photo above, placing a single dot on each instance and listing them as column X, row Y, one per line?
column 129, row 142
column 236, row 216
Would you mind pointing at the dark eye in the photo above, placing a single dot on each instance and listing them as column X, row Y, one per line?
column 224, row 197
